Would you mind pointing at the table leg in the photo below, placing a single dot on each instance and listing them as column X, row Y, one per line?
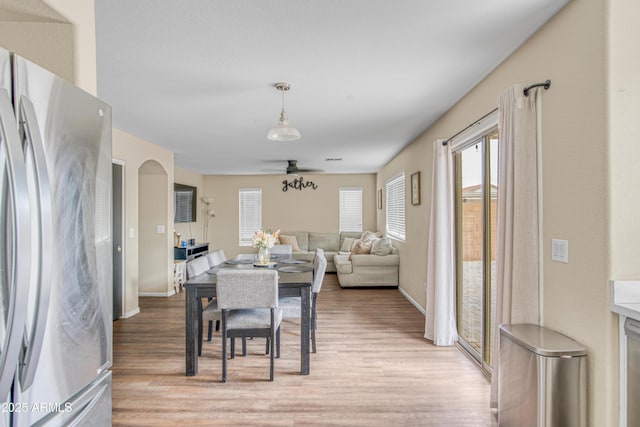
column 191, row 332
column 304, row 329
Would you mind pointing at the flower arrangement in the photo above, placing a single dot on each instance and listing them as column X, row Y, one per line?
column 265, row 239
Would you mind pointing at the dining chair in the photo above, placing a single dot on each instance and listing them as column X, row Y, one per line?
column 248, row 300
column 212, row 314
column 216, row 258
column 291, row 305
column 281, row 250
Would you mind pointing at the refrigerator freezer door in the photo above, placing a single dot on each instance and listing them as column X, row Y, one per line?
column 15, row 241
column 76, row 131
column 89, row 408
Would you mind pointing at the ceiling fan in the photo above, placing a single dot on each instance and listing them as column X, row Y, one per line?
column 293, row 169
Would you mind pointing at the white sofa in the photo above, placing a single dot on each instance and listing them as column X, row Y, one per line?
column 367, row 270
column 307, row 243
column 357, row 270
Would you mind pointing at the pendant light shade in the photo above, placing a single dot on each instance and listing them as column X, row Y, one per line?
column 283, row 132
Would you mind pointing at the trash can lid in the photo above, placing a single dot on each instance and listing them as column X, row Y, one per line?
column 541, row 340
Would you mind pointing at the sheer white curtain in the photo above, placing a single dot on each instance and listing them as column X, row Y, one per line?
column 517, row 263
column 440, row 324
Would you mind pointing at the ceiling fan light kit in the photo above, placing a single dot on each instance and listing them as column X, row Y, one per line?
column 283, row 132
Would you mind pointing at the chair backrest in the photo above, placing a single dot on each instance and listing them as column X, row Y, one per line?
column 216, row 258
column 281, row 249
column 197, row 267
column 319, row 268
column 237, row 288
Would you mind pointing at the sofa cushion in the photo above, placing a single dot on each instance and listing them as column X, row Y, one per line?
column 343, row 265
column 381, row 246
column 346, row 244
column 361, row 248
column 326, row 241
column 301, row 236
column 291, row 241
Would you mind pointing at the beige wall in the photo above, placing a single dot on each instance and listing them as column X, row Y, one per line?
column 307, row 209
column 153, row 218
column 193, row 230
column 134, row 152
column 58, row 35
column 624, row 134
column 569, row 50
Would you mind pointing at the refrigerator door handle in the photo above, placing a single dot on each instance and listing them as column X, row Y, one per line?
column 17, row 255
column 41, row 261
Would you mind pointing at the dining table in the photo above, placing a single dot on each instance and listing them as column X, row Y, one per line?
column 294, row 279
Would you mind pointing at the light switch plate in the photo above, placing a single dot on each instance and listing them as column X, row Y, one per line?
column 160, row 229
column 560, row 250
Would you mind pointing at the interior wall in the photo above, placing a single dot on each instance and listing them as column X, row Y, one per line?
column 80, row 14
column 307, row 209
column 153, row 220
column 570, row 50
column 624, row 134
column 192, row 230
column 134, row 152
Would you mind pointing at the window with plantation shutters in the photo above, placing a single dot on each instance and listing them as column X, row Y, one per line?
column 351, row 209
column 395, row 207
column 250, row 214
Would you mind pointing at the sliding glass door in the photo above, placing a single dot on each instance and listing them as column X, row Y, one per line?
column 476, row 208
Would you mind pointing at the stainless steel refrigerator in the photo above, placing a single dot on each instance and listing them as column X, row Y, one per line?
column 55, row 250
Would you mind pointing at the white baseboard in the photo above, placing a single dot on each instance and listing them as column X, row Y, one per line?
column 412, row 301
column 170, row 293
column 130, row 313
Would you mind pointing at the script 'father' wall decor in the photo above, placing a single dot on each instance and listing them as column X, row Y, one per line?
column 298, row 184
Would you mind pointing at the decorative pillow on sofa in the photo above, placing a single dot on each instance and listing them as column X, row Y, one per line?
column 361, row 248
column 346, row 245
column 290, row 240
column 370, row 235
column 381, row 246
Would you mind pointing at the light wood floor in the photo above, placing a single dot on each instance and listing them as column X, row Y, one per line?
column 373, row 368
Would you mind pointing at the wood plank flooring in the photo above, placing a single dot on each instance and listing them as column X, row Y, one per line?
column 373, row 368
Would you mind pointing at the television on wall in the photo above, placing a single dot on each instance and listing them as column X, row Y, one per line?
column 185, row 199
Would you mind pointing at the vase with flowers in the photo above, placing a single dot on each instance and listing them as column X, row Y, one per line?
column 264, row 241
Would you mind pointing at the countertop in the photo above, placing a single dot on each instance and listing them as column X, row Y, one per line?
column 625, row 298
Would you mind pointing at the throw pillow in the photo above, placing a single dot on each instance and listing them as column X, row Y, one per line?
column 290, row 240
column 346, row 245
column 369, row 235
column 381, row 246
column 361, row 248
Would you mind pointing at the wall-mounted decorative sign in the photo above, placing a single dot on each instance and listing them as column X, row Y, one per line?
column 298, row 184
column 415, row 188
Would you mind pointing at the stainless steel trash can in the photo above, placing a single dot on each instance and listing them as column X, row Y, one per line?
column 542, row 378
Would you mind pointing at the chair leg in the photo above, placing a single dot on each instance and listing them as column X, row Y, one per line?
column 199, row 327
column 271, row 370
column 278, row 343
column 313, row 328
column 210, row 332
column 244, row 346
column 233, row 347
column 224, row 350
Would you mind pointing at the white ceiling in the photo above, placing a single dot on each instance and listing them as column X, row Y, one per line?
column 367, row 76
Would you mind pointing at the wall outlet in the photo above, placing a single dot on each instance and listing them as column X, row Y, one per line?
column 560, row 250
column 132, row 233
column 160, row 229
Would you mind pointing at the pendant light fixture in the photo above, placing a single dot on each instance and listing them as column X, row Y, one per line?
column 283, row 132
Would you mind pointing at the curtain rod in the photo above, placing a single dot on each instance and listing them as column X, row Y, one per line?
column 546, row 85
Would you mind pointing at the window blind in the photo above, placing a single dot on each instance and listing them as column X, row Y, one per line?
column 395, row 207
column 350, row 209
column 250, row 214
column 183, row 206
